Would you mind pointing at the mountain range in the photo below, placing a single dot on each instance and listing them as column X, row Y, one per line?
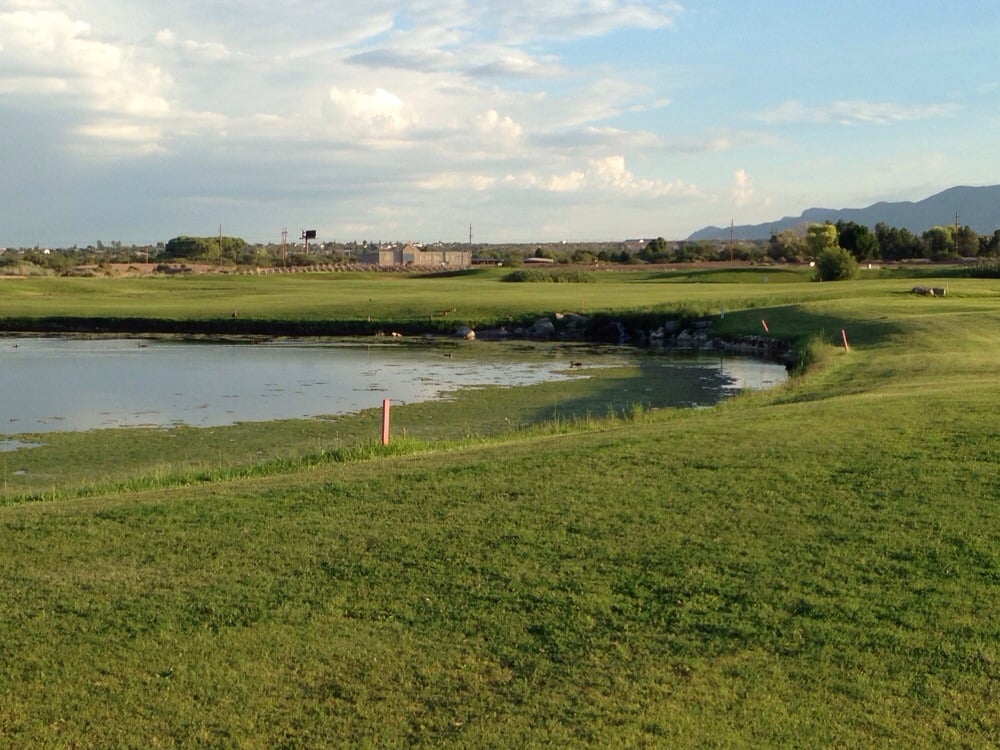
column 976, row 207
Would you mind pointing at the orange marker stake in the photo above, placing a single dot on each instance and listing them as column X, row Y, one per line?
column 764, row 323
column 385, row 421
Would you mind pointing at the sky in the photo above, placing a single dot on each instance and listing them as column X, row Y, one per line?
column 576, row 120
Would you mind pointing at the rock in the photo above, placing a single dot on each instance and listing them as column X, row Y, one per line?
column 543, row 329
column 575, row 325
column 493, row 334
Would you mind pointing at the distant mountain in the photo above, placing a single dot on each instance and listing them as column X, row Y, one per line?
column 977, row 207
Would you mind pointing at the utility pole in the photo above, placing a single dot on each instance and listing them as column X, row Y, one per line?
column 730, row 240
column 220, row 245
column 284, row 243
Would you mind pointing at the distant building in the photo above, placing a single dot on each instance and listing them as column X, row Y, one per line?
column 411, row 255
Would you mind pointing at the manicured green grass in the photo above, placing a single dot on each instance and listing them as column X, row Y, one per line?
column 813, row 566
column 478, row 297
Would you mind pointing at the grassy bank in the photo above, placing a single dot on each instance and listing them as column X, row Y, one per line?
column 813, row 566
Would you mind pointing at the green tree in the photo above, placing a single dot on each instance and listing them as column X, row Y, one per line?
column 655, row 250
column 940, row 242
column 786, row 245
column 990, row 244
column 205, row 248
column 966, row 242
column 820, row 237
column 898, row 244
column 835, row 264
column 857, row 239
column 186, row 247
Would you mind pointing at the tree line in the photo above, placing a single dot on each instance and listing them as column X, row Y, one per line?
column 883, row 243
column 862, row 244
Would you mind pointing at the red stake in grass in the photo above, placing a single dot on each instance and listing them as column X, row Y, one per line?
column 764, row 323
column 385, row 421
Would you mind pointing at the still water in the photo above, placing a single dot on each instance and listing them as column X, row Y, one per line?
column 67, row 384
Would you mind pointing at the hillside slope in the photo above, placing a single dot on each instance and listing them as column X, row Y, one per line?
column 976, row 207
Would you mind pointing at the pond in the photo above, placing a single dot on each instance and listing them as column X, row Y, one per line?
column 75, row 384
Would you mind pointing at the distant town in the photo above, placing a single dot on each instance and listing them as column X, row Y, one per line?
column 226, row 254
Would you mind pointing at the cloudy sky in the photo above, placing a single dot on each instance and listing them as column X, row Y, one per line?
column 532, row 121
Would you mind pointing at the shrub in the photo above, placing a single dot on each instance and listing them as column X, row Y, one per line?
column 986, row 268
column 537, row 275
column 835, row 264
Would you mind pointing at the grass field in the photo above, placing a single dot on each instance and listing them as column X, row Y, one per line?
column 818, row 565
column 473, row 297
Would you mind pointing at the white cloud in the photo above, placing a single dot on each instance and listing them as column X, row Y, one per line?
column 610, row 172
column 602, row 99
column 492, row 125
column 377, row 114
column 114, row 101
column 526, row 20
column 117, row 138
column 567, row 183
column 51, row 46
column 33, row 85
column 204, row 51
column 427, row 60
column 742, row 188
column 853, row 112
column 603, row 176
column 457, row 181
column 508, row 62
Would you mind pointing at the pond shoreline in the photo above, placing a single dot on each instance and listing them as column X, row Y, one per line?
column 637, row 329
column 113, row 380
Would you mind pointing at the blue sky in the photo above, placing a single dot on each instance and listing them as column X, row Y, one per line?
column 567, row 120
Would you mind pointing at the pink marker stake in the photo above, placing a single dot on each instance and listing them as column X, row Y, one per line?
column 764, row 323
column 385, row 421
column 843, row 337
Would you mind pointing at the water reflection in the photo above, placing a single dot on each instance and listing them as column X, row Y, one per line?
column 67, row 384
